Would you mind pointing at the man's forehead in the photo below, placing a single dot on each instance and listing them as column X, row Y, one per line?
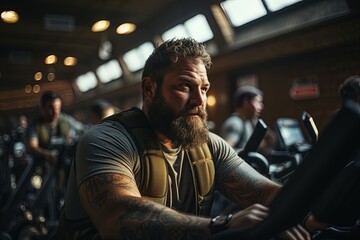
column 53, row 101
column 188, row 65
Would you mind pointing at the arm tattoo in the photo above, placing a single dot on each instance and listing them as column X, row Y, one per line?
column 243, row 190
column 139, row 217
column 154, row 221
column 96, row 188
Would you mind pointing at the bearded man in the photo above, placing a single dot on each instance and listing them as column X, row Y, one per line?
column 151, row 173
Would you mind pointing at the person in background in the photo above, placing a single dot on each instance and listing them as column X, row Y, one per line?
column 248, row 104
column 51, row 138
column 237, row 128
column 350, row 89
column 101, row 109
column 150, row 173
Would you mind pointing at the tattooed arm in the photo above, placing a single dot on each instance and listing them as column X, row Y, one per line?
column 118, row 211
column 245, row 186
column 250, row 189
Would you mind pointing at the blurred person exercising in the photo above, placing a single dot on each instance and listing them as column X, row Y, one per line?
column 49, row 132
column 51, row 137
column 248, row 104
column 150, row 173
column 237, row 128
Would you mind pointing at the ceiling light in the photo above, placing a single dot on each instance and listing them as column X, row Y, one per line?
column 70, row 61
column 36, row 88
column 100, row 26
column 51, row 76
column 126, row 28
column 28, row 88
column 51, row 59
column 10, row 16
column 38, row 76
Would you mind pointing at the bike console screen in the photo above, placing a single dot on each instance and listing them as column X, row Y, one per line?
column 290, row 132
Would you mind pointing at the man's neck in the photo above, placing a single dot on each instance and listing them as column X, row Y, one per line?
column 53, row 123
column 165, row 141
column 242, row 114
column 161, row 137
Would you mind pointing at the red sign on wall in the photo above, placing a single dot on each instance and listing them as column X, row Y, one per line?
column 304, row 88
column 308, row 91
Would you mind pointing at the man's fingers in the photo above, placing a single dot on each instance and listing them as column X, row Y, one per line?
column 295, row 233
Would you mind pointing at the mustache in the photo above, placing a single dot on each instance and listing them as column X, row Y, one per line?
column 194, row 111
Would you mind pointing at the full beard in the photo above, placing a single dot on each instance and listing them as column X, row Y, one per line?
column 180, row 128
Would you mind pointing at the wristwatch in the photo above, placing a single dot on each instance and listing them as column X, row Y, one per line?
column 219, row 223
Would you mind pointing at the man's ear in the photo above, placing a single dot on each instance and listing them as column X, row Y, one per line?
column 148, row 87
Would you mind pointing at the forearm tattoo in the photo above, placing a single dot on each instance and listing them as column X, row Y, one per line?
column 96, row 188
column 243, row 190
column 141, row 219
column 157, row 222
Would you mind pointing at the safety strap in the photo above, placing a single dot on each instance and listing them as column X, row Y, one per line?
column 204, row 169
column 154, row 172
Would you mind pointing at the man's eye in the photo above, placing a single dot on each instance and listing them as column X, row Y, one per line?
column 186, row 86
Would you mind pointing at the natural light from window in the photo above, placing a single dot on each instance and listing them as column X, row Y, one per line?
column 240, row 12
column 109, row 71
column 86, row 81
column 199, row 28
column 275, row 5
column 196, row 27
column 178, row 31
column 135, row 58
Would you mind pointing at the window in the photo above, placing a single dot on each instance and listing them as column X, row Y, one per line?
column 275, row 5
column 178, row 31
column 135, row 59
column 240, row 12
column 196, row 27
column 109, row 71
column 86, row 81
column 199, row 28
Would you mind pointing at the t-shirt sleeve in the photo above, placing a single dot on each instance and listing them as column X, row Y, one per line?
column 105, row 148
column 31, row 131
column 232, row 129
column 225, row 157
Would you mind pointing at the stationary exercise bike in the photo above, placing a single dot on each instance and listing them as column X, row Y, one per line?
column 309, row 184
column 27, row 210
column 285, row 157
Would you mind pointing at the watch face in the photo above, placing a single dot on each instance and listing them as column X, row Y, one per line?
column 219, row 219
column 219, row 223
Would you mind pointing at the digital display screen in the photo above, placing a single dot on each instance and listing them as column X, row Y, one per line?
column 291, row 135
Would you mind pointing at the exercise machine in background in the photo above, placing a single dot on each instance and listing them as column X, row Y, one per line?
column 319, row 177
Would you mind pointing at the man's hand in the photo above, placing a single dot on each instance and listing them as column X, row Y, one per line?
column 312, row 224
column 295, row 233
column 254, row 214
column 52, row 157
column 249, row 216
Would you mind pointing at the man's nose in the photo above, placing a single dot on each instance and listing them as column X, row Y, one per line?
column 197, row 98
